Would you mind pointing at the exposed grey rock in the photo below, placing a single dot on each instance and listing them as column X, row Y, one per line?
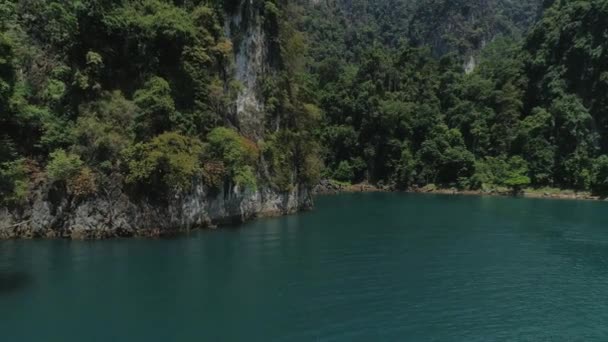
column 470, row 65
column 244, row 28
column 115, row 215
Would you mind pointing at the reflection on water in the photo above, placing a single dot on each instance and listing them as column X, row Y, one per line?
column 13, row 281
column 361, row 267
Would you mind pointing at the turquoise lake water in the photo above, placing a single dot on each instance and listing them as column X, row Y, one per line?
column 360, row 267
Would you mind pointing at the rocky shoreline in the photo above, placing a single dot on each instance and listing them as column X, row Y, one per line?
column 327, row 187
column 558, row 195
column 115, row 214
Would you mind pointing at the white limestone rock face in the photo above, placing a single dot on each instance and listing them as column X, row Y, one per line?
column 470, row 65
column 122, row 216
column 244, row 28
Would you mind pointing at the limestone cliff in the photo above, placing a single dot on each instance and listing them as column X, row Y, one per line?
column 244, row 27
column 114, row 211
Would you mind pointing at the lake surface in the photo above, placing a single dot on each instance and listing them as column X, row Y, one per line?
column 361, row 267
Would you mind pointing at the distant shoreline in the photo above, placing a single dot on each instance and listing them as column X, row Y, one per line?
column 329, row 187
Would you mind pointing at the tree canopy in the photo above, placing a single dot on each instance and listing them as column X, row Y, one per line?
column 472, row 94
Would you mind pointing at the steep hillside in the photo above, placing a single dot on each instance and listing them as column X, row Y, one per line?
column 341, row 28
column 466, row 26
column 399, row 112
column 148, row 103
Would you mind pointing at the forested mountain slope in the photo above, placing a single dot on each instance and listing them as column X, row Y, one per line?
column 343, row 28
column 531, row 112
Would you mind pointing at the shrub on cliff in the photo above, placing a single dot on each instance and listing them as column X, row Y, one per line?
column 104, row 129
column 156, row 108
column 83, row 183
column 170, row 159
column 238, row 155
column 13, row 182
column 63, row 166
column 279, row 158
column 311, row 167
column 214, row 173
column 292, row 158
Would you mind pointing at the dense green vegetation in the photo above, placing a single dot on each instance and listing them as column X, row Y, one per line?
column 532, row 113
column 141, row 92
column 344, row 29
column 407, row 93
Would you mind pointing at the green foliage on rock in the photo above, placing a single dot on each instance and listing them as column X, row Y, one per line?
column 169, row 161
column 291, row 158
column 238, row 154
column 156, row 108
column 13, row 182
column 104, row 129
column 63, row 165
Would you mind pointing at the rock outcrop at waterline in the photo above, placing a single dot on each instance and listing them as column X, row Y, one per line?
column 52, row 214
